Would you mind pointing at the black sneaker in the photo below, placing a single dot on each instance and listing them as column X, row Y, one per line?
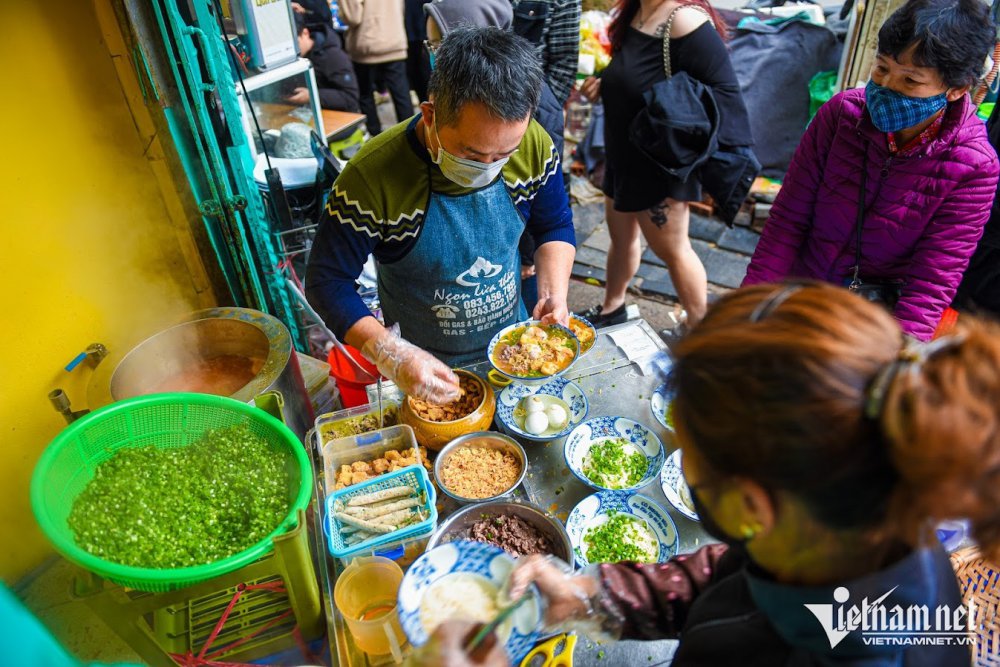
column 600, row 319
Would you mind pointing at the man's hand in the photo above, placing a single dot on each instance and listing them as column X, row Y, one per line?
column 416, row 372
column 554, row 263
column 552, row 310
column 298, row 9
column 299, row 96
column 446, row 647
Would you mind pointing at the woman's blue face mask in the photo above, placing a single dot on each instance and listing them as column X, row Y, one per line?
column 892, row 111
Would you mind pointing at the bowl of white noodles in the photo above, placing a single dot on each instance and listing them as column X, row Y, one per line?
column 465, row 580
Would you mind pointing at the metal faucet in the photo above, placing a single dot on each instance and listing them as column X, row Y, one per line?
column 60, row 401
column 93, row 355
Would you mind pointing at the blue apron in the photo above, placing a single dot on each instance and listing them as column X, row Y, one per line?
column 461, row 282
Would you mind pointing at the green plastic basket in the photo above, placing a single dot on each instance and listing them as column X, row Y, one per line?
column 160, row 420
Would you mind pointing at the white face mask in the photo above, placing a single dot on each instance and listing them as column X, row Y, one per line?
column 467, row 173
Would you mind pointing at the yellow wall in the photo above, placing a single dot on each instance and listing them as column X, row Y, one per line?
column 88, row 252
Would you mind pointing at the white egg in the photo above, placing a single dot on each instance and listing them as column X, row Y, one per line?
column 534, row 404
column 536, row 423
column 557, row 416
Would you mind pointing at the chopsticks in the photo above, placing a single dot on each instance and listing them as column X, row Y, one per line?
column 492, row 625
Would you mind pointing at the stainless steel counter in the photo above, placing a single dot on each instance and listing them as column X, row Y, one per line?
column 614, row 385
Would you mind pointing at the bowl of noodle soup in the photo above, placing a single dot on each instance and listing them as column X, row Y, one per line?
column 464, row 580
column 532, row 352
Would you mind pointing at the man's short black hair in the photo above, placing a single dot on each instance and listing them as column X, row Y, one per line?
column 952, row 36
column 488, row 65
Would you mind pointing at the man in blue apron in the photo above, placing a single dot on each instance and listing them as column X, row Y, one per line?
column 441, row 201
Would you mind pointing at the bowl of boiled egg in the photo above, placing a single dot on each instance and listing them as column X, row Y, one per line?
column 542, row 413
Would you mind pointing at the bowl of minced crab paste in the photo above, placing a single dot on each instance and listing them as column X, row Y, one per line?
column 533, row 353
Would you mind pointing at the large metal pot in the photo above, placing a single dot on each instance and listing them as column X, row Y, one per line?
column 235, row 352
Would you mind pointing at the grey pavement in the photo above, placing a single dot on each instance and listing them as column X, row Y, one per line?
column 725, row 252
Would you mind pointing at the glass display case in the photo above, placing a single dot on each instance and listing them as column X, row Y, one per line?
column 277, row 99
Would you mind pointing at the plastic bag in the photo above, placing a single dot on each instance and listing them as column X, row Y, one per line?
column 594, row 39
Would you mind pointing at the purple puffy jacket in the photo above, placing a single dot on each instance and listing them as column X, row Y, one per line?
column 925, row 213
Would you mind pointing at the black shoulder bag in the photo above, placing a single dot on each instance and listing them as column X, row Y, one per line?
column 885, row 292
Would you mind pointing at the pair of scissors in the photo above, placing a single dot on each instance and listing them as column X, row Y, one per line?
column 555, row 652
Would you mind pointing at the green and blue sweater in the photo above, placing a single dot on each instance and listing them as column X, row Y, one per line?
column 377, row 206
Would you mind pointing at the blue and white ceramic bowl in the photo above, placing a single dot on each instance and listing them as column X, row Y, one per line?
column 659, row 403
column 584, row 323
column 597, row 508
column 599, row 429
column 527, row 379
column 474, row 558
column 513, row 394
column 675, row 488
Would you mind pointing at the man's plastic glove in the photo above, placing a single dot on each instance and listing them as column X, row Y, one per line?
column 416, row 372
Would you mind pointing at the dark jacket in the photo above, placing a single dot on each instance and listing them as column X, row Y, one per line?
column 549, row 115
column 679, row 131
column 980, row 287
column 727, row 613
column 335, row 79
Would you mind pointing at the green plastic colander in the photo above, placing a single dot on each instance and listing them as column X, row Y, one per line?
column 160, row 420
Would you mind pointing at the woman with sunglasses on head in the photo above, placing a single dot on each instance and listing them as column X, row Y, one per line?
column 903, row 164
column 821, row 449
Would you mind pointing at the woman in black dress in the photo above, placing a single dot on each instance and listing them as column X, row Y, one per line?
column 639, row 196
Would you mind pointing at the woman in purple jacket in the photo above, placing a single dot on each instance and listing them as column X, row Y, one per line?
column 931, row 173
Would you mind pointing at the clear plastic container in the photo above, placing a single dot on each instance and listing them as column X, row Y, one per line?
column 356, row 421
column 368, row 456
column 365, row 594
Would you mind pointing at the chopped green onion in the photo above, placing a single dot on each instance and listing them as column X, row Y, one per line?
column 608, row 464
column 184, row 506
column 617, row 540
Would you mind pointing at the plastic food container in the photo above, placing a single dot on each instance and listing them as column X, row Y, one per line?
column 353, row 421
column 365, row 594
column 403, row 552
column 367, row 448
column 414, row 476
